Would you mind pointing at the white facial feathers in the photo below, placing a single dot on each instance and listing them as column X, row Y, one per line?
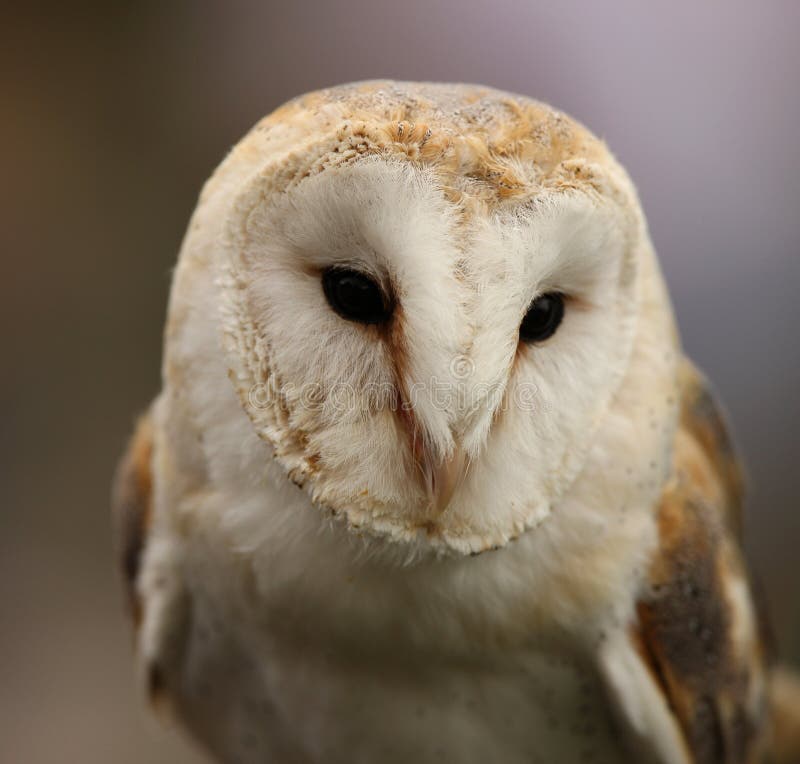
column 337, row 399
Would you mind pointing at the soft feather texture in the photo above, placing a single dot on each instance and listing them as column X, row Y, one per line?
column 463, row 283
column 308, row 576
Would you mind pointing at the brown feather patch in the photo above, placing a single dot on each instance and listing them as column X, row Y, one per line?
column 687, row 621
column 132, row 508
column 685, row 626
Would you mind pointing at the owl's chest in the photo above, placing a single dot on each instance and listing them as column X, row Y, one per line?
column 263, row 699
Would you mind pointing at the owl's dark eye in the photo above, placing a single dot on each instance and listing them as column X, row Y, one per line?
column 355, row 296
column 543, row 317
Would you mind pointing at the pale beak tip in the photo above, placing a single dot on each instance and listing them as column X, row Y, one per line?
column 445, row 478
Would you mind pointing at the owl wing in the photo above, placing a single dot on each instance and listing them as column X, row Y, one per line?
column 132, row 508
column 703, row 421
column 156, row 597
column 689, row 678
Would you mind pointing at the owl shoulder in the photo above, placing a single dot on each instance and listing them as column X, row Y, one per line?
column 690, row 677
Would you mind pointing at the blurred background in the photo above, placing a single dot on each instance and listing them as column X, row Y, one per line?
column 112, row 116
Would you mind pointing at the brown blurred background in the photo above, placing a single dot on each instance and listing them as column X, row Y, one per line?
column 111, row 118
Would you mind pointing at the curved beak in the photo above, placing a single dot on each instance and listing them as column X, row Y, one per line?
column 443, row 477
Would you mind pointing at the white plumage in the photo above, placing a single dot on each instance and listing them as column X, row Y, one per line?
column 426, row 540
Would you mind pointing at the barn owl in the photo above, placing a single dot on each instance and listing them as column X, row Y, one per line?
column 429, row 478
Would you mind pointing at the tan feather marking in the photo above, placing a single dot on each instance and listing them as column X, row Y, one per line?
column 486, row 147
column 690, row 630
column 685, row 628
column 703, row 418
column 398, row 354
column 132, row 508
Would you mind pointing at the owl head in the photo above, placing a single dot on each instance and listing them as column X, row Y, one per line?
column 427, row 299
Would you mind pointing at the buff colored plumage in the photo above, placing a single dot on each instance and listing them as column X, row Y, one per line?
column 425, row 539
